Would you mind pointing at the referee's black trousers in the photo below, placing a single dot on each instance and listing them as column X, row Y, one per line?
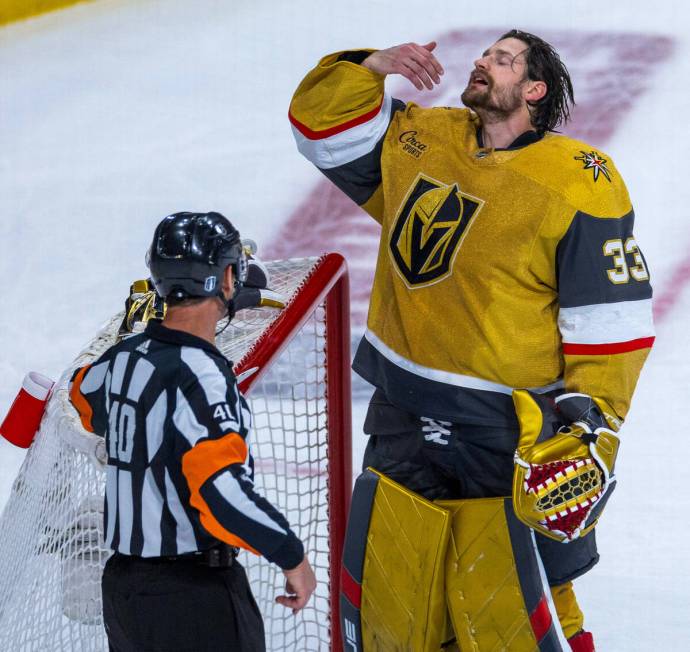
column 179, row 606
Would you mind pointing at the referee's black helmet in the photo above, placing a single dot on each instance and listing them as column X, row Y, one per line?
column 190, row 253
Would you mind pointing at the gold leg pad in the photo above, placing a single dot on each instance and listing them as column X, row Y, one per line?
column 403, row 605
column 483, row 591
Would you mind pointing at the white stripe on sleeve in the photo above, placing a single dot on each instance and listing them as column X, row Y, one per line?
column 607, row 323
column 346, row 146
column 94, row 378
column 210, row 378
column 232, row 491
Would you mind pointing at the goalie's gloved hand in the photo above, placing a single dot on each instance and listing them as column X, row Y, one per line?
column 590, row 419
column 564, row 462
column 142, row 304
column 254, row 292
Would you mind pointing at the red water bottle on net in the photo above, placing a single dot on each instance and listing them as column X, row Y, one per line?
column 24, row 417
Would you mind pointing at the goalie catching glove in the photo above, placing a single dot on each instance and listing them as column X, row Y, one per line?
column 563, row 473
column 142, row 304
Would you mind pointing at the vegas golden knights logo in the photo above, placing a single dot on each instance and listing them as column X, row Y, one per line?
column 429, row 229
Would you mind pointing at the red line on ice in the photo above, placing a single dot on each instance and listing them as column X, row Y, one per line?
column 672, row 290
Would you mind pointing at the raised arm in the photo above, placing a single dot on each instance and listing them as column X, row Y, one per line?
column 340, row 114
column 411, row 60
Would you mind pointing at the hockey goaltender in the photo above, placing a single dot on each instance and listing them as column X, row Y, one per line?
column 509, row 320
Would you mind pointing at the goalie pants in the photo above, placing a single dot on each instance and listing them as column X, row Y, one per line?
column 460, row 461
column 155, row 605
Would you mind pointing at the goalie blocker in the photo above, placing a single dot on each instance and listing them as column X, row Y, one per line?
column 406, row 558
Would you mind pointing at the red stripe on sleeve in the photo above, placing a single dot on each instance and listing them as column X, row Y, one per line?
column 605, row 349
column 352, row 590
column 325, row 133
column 540, row 619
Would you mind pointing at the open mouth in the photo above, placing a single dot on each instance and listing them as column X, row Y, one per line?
column 478, row 80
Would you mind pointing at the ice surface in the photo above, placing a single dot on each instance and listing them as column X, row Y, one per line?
column 117, row 112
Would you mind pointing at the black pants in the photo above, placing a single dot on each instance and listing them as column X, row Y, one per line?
column 179, row 606
column 468, row 462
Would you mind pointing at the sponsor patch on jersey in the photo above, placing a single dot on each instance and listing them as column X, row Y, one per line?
column 412, row 143
column 429, row 229
column 595, row 162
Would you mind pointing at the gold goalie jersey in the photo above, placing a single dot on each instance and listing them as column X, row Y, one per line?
column 497, row 269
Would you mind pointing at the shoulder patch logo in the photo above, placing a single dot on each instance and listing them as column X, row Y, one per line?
column 595, row 162
column 429, row 229
column 143, row 348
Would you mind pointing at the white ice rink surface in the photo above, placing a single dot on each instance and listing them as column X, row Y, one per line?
column 118, row 112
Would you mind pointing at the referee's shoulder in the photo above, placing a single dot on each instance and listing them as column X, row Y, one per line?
column 128, row 344
column 191, row 358
column 208, row 370
column 203, row 362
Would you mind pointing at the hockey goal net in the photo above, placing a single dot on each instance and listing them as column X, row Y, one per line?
column 293, row 366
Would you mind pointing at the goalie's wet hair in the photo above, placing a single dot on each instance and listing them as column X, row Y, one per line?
column 544, row 64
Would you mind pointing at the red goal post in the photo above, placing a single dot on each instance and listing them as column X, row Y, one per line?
column 328, row 284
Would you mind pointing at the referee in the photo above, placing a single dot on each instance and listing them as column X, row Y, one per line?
column 179, row 496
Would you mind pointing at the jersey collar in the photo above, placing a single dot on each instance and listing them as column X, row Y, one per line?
column 156, row 331
column 524, row 139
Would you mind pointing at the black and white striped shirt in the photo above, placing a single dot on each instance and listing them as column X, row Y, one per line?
column 179, row 474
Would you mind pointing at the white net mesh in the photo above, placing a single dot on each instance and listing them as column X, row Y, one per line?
column 51, row 532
